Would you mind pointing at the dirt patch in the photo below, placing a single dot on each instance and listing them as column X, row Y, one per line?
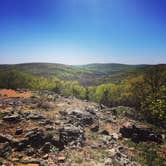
column 5, row 93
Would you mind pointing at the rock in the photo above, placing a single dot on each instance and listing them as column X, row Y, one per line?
column 108, row 162
column 104, row 132
column 30, row 162
column 115, row 136
column 36, row 138
column 40, row 119
column 46, row 148
column 35, row 117
column 49, row 128
column 138, row 134
column 127, row 129
column 122, row 149
column 45, row 122
column 94, row 146
column 19, row 131
column 57, row 122
column 61, row 159
column 45, row 156
column 95, row 128
column 21, row 144
column 80, row 118
column 121, row 159
column 102, row 106
column 71, row 135
column 12, row 119
column 163, row 136
column 108, row 140
column 19, row 156
column 5, row 150
column 112, row 151
column 30, row 152
column 5, row 113
column 25, row 114
column 15, row 160
column 6, row 138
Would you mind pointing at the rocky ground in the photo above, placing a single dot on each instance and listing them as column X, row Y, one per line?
column 43, row 128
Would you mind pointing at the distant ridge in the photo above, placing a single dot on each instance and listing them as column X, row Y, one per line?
column 90, row 74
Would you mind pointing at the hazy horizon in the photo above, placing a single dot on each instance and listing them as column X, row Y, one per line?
column 80, row 32
column 78, row 64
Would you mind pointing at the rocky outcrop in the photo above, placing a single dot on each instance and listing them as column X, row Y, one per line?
column 37, row 137
column 80, row 118
column 71, row 136
column 138, row 134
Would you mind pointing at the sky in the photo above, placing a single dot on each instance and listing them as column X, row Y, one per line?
column 83, row 31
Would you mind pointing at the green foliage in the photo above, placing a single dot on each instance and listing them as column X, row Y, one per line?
column 14, row 79
column 103, row 94
column 154, row 105
column 146, row 93
column 146, row 154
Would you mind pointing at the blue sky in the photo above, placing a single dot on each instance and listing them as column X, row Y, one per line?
column 83, row 31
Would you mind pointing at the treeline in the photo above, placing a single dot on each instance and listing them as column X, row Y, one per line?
column 14, row 79
column 146, row 93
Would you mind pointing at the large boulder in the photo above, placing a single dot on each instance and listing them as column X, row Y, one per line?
column 80, row 118
column 37, row 137
column 71, row 136
column 138, row 133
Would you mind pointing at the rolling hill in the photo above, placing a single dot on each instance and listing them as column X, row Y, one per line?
column 91, row 74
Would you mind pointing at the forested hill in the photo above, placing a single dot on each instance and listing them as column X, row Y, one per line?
column 109, row 68
column 91, row 74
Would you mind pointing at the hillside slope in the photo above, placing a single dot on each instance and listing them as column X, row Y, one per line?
column 44, row 129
